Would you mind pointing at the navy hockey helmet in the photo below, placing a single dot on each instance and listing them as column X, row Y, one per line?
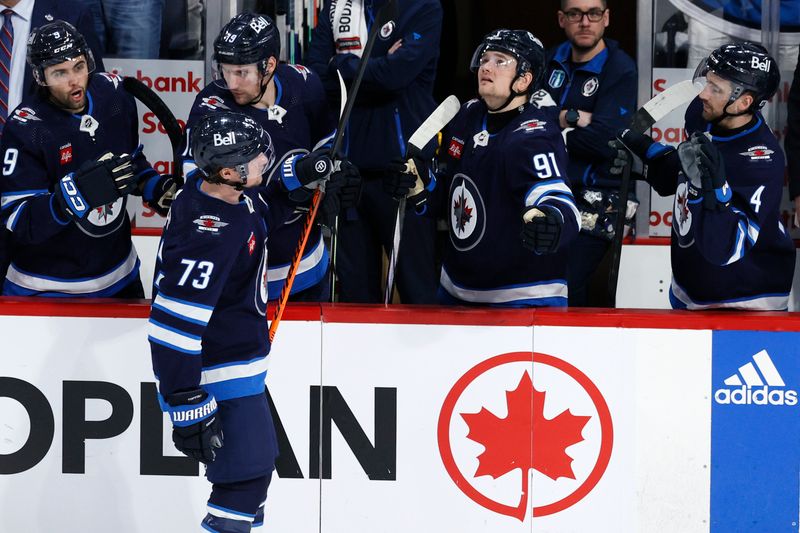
column 55, row 43
column 229, row 140
column 247, row 39
column 748, row 66
column 523, row 45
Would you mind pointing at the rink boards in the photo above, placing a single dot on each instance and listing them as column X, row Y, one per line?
column 420, row 420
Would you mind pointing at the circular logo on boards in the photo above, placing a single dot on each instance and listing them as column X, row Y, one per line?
column 522, row 420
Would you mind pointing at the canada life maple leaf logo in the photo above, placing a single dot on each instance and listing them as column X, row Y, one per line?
column 534, row 430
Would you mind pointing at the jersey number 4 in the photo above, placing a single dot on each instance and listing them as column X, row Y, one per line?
column 198, row 272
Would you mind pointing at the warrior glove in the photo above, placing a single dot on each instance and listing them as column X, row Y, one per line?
column 196, row 429
column 342, row 191
column 542, row 231
column 95, row 184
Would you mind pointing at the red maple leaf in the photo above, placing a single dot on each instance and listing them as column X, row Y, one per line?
column 510, row 444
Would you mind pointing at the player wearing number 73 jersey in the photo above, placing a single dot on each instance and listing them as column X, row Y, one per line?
column 510, row 210
column 729, row 246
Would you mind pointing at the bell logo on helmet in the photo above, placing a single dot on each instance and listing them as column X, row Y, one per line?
column 228, row 139
column 258, row 24
column 758, row 64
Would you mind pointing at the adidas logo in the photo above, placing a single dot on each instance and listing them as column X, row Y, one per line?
column 755, row 384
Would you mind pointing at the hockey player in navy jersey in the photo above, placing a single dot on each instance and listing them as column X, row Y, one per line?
column 70, row 159
column 509, row 209
column 208, row 333
column 288, row 101
column 729, row 247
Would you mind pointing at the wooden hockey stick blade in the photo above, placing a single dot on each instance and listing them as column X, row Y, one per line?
column 654, row 110
column 663, row 104
column 154, row 103
column 426, row 131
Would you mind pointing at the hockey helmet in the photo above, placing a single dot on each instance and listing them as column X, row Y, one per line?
column 523, row 45
column 55, row 43
column 228, row 139
column 246, row 39
column 748, row 66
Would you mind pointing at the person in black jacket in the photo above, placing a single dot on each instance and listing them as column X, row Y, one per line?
column 595, row 84
column 395, row 96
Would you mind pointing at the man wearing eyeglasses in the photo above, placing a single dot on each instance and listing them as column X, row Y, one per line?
column 594, row 82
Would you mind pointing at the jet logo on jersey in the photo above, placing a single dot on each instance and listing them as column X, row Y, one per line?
column 387, row 30
column 530, row 126
column 467, row 213
column 111, row 77
column 756, row 384
column 214, row 103
column 557, row 78
column 756, row 153
column 302, row 70
column 590, row 86
column 229, row 139
column 25, row 114
column 65, row 154
column 456, row 148
column 209, row 224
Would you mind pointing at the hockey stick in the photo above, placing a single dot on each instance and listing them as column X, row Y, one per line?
column 657, row 108
column 154, row 103
column 335, row 228
column 384, row 15
column 426, row 131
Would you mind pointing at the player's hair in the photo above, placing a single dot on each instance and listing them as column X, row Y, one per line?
column 564, row 4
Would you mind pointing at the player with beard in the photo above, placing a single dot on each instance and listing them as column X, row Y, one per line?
column 71, row 156
column 594, row 83
column 288, row 101
column 729, row 246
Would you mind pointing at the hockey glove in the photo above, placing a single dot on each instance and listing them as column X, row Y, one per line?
column 716, row 192
column 196, row 429
column 409, row 178
column 350, row 191
column 313, row 168
column 158, row 192
column 542, row 231
column 95, row 184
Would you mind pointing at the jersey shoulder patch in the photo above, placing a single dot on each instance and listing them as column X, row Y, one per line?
column 111, row 78
column 542, row 99
column 25, row 115
column 302, row 70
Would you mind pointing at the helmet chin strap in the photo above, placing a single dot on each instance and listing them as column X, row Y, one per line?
column 511, row 95
column 264, row 86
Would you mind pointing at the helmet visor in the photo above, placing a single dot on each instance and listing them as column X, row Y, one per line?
column 59, row 73
column 226, row 75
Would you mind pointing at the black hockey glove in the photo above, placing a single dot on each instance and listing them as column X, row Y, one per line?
column 313, row 167
column 542, row 231
column 350, row 191
column 158, row 192
column 95, row 184
column 408, row 178
column 196, row 429
column 716, row 192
